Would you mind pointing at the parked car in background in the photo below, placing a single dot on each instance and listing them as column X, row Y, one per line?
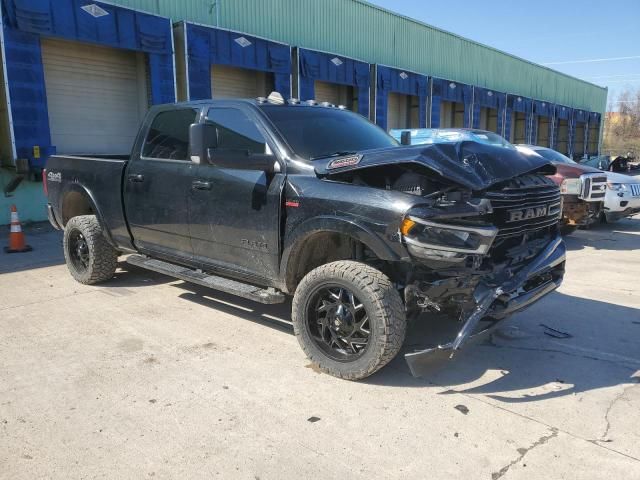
column 583, row 188
column 622, row 198
column 608, row 163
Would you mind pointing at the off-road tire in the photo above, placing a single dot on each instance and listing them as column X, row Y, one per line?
column 382, row 303
column 103, row 257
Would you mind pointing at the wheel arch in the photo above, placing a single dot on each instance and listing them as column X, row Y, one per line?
column 78, row 200
column 309, row 246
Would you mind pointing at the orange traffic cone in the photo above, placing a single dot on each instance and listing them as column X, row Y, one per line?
column 16, row 237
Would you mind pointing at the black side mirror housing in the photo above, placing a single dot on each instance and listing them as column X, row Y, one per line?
column 202, row 138
column 405, row 137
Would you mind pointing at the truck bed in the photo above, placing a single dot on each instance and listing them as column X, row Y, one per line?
column 100, row 177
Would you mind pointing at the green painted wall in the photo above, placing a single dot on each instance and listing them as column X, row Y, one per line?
column 360, row 30
column 28, row 198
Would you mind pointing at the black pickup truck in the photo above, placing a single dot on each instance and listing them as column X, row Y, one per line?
column 267, row 198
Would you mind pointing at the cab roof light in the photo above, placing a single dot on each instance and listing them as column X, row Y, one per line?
column 276, row 98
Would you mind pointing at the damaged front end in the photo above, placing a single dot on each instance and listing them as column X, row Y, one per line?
column 483, row 241
column 500, row 256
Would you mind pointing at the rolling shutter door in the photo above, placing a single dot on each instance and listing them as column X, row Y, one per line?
column 396, row 113
column 328, row 92
column 233, row 82
column 97, row 96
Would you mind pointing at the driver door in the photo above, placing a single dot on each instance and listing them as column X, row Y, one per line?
column 235, row 212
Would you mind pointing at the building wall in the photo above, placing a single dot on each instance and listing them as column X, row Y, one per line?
column 28, row 197
column 360, row 30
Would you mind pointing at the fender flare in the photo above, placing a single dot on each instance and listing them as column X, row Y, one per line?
column 334, row 224
column 81, row 189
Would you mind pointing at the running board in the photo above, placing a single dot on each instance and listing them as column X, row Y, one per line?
column 244, row 290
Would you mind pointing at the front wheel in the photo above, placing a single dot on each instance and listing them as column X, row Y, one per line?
column 349, row 319
column 90, row 258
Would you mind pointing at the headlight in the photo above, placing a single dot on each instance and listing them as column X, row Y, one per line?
column 571, row 186
column 616, row 187
column 422, row 237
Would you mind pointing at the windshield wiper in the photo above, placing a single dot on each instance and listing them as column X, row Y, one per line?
column 334, row 154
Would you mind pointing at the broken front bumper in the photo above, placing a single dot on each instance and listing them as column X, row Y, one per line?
column 542, row 276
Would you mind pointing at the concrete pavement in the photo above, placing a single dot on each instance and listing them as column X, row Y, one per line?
column 146, row 377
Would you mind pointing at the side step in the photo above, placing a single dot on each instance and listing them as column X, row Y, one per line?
column 244, row 290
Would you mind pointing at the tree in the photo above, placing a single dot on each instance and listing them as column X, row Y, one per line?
column 622, row 124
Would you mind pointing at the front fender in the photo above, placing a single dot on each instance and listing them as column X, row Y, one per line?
column 329, row 223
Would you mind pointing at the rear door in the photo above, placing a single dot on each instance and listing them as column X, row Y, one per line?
column 158, row 185
column 235, row 213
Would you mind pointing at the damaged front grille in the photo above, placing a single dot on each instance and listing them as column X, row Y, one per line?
column 525, row 204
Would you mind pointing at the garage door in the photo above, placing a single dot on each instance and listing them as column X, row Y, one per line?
column 336, row 94
column 233, row 82
column 402, row 111
column 96, row 96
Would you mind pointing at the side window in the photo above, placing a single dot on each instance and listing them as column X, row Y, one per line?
column 236, row 131
column 168, row 136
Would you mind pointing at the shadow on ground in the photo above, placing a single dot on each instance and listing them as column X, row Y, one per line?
column 620, row 235
column 518, row 363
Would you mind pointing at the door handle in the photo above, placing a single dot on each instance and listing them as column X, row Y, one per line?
column 136, row 178
column 200, row 185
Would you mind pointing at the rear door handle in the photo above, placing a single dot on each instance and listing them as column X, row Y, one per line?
column 200, row 185
column 136, row 178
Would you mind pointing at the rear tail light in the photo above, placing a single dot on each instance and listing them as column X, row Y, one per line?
column 44, row 182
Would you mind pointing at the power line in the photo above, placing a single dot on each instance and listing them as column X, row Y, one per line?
column 594, row 60
column 616, row 76
column 636, row 80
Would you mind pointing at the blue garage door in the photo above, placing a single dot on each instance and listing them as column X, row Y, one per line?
column 579, row 122
column 562, row 132
column 518, row 116
column 25, row 22
column 489, row 109
column 333, row 78
column 542, row 124
column 593, row 134
column 240, row 53
column 401, row 98
column 451, row 104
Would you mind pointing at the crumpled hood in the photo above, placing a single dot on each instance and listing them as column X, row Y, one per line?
column 473, row 165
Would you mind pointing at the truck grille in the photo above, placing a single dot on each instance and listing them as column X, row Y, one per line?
column 525, row 204
column 594, row 186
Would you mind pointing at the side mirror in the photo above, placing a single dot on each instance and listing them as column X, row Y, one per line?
column 405, row 137
column 202, row 137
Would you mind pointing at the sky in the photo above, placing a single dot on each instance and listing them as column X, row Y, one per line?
column 560, row 34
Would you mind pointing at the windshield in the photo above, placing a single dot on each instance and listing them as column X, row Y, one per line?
column 553, row 155
column 425, row 136
column 316, row 132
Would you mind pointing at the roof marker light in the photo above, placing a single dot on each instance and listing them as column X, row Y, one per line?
column 276, row 98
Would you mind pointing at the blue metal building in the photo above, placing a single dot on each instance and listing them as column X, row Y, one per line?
column 58, row 58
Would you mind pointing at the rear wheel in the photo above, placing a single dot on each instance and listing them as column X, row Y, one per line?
column 349, row 319
column 90, row 258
